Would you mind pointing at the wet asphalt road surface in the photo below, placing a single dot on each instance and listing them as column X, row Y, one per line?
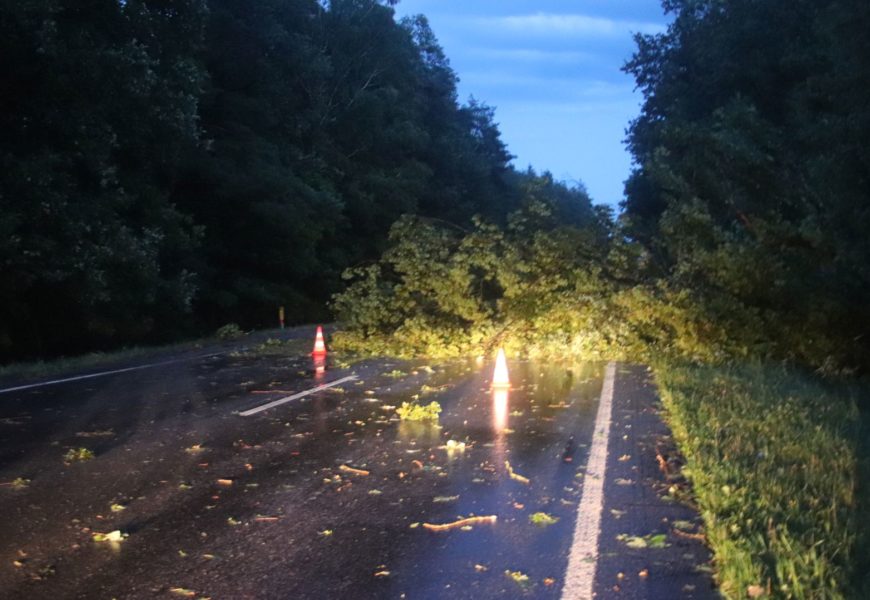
column 327, row 496
column 651, row 545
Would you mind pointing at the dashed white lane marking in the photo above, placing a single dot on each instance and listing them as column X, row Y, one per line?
column 580, row 577
column 104, row 373
column 278, row 402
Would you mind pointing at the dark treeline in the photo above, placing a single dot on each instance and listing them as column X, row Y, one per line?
column 752, row 187
column 168, row 166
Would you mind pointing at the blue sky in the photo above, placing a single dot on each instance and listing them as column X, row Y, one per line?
column 552, row 71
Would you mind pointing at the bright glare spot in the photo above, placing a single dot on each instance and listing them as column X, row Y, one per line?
column 500, row 377
column 500, row 409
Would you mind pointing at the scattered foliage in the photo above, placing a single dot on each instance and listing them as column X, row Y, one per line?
column 230, row 331
column 78, row 455
column 418, row 412
column 542, row 519
column 648, row 541
column 112, row 536
column 518, row 577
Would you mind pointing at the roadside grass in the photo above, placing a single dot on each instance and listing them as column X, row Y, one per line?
column 75, row 364
column 59, row 366
column 774, row 457
column 276, row 347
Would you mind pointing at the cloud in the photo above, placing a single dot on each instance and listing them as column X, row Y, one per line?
column 570, row 25
column 526, row 55
column 555, row 112
column 549, row 86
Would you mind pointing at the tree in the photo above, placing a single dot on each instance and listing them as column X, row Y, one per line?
column 93, row 110
column 541, row 284
column 737, row 194
column 258, row 185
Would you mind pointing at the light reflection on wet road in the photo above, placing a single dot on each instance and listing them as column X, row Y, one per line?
column 323, row 497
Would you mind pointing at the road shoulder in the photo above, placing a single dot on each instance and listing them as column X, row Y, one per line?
column 649, row 545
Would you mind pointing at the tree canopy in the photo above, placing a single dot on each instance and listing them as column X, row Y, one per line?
column 172, row 166
column 750, row 189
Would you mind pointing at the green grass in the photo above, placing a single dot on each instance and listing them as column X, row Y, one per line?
column 774, row 458
column 74, row 364
column 276, row 347
column 59, row 366
column 39, row 368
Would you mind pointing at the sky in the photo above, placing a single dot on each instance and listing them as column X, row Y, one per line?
column 552, row 71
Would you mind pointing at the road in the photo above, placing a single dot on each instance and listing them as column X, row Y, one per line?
column 327, row 495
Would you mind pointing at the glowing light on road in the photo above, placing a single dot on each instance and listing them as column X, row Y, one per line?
column 500, row 378
column 319, row 366
column 500, row 409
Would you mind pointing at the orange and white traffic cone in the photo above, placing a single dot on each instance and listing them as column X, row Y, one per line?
column 500, row 379
column 319, row 345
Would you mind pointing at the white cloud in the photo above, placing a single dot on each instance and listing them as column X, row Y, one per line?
column 561, row 57
column 547, row 86
column 570, row 25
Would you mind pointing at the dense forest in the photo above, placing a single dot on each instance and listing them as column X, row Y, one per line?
column 168, row 166
column 172, row 166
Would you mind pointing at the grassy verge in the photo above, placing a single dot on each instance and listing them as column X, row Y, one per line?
column 774, row 456
column 94, row 360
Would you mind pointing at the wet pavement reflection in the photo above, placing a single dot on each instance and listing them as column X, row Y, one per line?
column 328, row 496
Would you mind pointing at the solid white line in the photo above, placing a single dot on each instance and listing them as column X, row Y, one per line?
column 104, row 373
column 280, row 401
column 580, row 576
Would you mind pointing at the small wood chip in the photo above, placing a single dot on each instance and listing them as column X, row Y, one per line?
column 348, row 469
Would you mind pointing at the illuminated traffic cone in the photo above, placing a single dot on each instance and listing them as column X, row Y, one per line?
column 500, row 379
column 319, row 346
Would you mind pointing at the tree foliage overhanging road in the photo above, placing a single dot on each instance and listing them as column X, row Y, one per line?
column 744, row 229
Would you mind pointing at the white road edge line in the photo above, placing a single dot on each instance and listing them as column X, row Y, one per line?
column 104, row 373
column 582, row 562
column 274, row 403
